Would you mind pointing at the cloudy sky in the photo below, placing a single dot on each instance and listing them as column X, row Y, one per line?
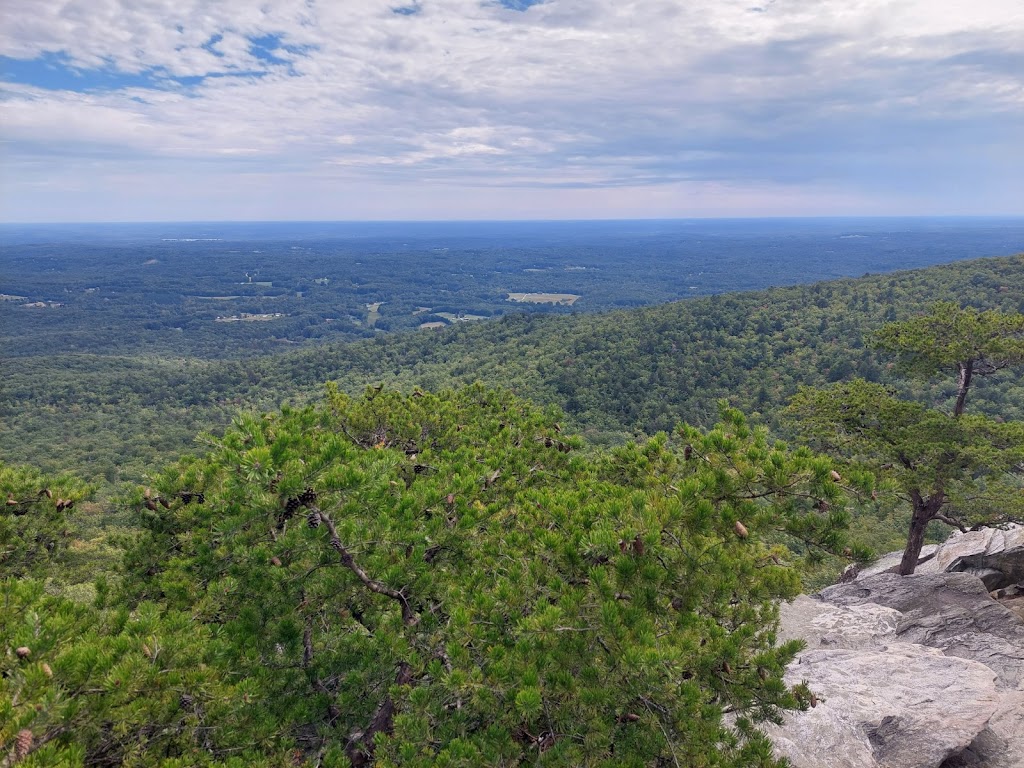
column 121, row 110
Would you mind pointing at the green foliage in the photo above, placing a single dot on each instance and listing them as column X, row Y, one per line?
column 34, row 519
column 955, row 468
column 108, row 687
column 969, row 342
column 912, row 448
column 616, row 375
column 83, row 684
column 450, row 579
column 948, row 335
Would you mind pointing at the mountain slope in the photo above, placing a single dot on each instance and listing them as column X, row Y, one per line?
column 638, row 370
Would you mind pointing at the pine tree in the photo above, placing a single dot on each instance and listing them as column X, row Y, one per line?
column 34, row 519
column 955, row 468
column 451, row 580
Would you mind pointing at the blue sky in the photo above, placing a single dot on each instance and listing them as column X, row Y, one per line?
column 116, row 110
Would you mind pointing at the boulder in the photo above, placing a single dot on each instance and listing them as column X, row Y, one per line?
column 823, row 625
column 904, row 706
column 949, row 611
column 891, row 561
column 995, row 555
column 923, row 671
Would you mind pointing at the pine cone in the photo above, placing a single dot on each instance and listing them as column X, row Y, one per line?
column 313, row 520
column 307, row 497
column 23, row 744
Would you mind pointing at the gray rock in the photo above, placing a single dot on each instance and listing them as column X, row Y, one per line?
column 823, row 625
column 892, row 560
column 1007, row 728
column 949, row 611
column 916, row 671
column 995, row 555
column 953, row 612
column 906, row 706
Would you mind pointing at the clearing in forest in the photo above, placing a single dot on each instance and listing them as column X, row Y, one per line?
column 373, row 313
column 568, row 299
column 248, row 317
column 461, row 317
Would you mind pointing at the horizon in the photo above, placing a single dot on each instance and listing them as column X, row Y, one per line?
column 609, row 220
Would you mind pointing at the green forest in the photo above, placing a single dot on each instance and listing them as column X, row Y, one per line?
column 615, row 375
column 542, row 539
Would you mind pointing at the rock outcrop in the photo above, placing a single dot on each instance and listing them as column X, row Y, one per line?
column 922, row 671
column 995, row 555
column 899, row 706
column 949, row 611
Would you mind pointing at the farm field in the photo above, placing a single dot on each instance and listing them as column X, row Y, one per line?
column 566, row 299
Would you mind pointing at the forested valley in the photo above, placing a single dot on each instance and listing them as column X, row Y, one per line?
column 542, row 538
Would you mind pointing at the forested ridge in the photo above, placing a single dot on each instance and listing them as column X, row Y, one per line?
column 617, row 374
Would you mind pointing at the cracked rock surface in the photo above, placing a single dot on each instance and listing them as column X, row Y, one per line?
column 922, row 671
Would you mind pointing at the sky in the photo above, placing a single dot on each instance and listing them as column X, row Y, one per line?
column 188, row 110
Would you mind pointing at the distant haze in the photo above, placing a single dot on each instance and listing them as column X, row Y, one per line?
column 278, row 110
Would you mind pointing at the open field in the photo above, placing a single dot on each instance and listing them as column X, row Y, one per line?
column 373, row 313
column 247, row 317
column 567, row 299
column 461, row 317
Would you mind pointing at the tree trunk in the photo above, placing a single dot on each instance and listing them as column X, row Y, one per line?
column 963, row 384
column 924, row 511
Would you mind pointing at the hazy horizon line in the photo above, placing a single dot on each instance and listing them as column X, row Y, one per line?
column 830, row 217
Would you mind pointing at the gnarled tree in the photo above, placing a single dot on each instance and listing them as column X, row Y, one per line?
column 955, row 468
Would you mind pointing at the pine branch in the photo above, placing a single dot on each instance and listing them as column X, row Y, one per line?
column 359, row 749
column 409, row 616
column 950, row 521
column 333, row 713
column 13, row 758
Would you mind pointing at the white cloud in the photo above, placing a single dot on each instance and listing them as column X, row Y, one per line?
column 567, row 94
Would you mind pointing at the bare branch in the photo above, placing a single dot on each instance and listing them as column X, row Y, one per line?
column 950, row 521
column 409, row 616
